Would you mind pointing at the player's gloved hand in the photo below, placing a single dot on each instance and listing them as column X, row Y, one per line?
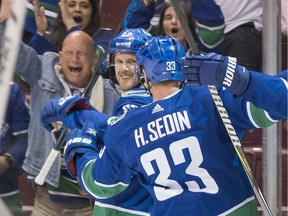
column 215, row 69
column 77, row 120
column 57, row 109
column 78, row 142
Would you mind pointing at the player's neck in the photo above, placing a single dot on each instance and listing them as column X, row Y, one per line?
column 162, row 91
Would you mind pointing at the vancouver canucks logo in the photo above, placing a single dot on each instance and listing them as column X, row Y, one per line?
column 113, row 120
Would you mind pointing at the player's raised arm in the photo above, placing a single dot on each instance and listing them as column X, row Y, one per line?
column 215, row 69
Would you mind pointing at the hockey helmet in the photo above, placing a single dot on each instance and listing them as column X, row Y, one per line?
column 159, row 57
column 129, row 41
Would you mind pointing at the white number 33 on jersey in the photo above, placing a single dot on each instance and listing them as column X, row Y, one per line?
column 170, row 187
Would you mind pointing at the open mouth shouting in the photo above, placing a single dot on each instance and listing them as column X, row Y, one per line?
column 75, row 69
column 78, row 19
column 174, row 31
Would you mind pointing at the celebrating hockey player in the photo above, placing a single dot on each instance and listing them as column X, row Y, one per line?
column 177, row 145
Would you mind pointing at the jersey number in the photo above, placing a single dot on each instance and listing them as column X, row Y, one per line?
column 170, row 187
column 170, row 65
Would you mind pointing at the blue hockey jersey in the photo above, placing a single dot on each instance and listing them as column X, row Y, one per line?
column 133, row 98
column 181, row 153
column 135, row 200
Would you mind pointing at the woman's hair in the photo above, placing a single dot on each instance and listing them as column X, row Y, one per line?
column 58, row 29
column 188, row 14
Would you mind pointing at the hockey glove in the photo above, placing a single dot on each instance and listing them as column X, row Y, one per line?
column 215, row 69
column 78, row 119
column 79, row 142
column 57, row 109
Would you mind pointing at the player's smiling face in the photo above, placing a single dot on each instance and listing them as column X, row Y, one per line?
column 125, row 71
column 172, row 26
column 81, row 11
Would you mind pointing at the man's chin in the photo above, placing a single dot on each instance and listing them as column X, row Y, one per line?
column 125, row 86
column 75, row 82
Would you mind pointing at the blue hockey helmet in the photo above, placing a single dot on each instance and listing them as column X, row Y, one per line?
column 129, row 40
column 159, row 57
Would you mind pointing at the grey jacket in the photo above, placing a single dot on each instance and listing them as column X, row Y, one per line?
column 45, row 81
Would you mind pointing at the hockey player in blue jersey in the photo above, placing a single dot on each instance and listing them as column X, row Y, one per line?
column 136, row 199
column 178, row 145
column 122, row 63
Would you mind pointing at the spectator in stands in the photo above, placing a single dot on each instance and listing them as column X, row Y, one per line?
column 57, row 75
column 70, row 18
column 205, row 20
column 13, row 145
column 243, row 31
column 51, row 10
column 73, row 15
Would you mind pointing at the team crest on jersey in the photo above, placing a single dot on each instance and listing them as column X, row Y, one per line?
column 113, row 120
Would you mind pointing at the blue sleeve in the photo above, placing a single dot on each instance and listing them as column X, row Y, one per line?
column 110, row 175
column 74, row 28
column 102, row 38
column 268, row 93
column 142, row 16
column 207, row 12
column 19, row 148
column 282, row 74
column 20, row 123
column 41, row 44
column 209, row 24
column 262, row 104
column 237, row 111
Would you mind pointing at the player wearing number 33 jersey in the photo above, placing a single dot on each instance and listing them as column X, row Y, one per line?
column 180, row 149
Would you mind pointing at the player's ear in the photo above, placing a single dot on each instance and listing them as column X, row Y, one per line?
column 143, row 73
